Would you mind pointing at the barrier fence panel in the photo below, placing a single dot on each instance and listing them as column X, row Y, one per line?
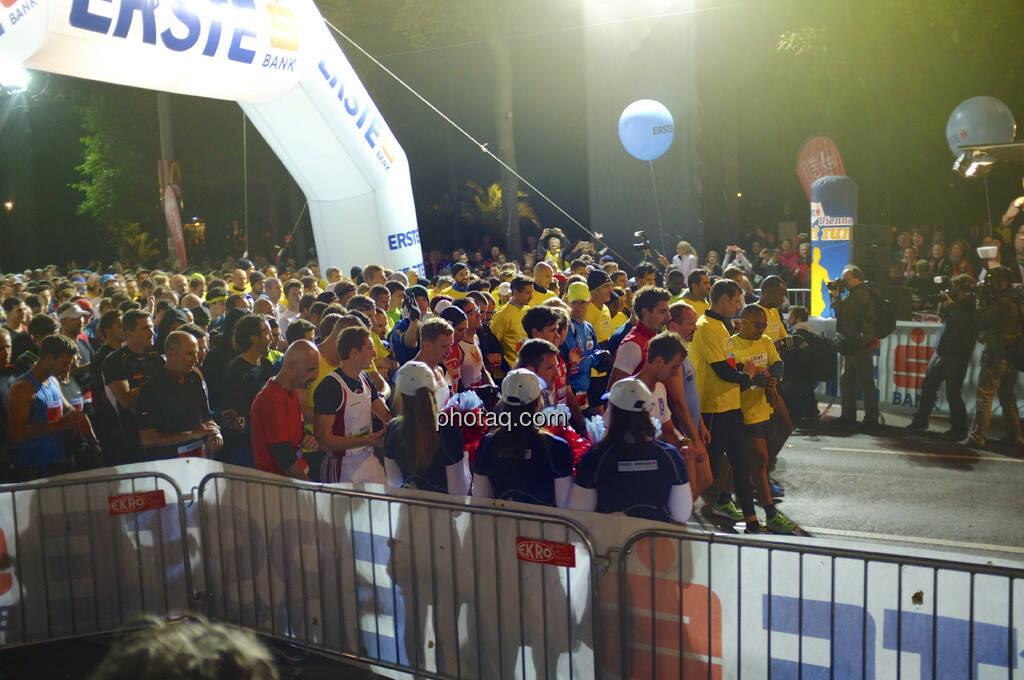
column 89, row 556
column 443, row 589
column 702, row 606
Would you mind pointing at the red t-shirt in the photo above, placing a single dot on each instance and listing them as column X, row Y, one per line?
column 275, row 417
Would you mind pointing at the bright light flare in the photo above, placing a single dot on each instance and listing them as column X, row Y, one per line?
column 9, row 206
column 13, row 77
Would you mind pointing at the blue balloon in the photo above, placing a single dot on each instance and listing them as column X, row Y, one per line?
column 646, row 129
column 980, row 120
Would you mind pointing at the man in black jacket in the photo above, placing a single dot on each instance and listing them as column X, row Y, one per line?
column 1001, row 320
column 953, row 354
column 855, row 326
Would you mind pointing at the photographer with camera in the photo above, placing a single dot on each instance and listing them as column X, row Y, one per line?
column 952, row 356
column 856, row 340
column 642, row 244
column 1001, row 321
column 553, row 247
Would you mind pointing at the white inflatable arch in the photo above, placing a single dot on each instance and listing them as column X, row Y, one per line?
column 279, row 61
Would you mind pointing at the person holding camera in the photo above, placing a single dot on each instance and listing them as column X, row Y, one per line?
column 856, row 340
column 952, row 356
column 1001, row 320
column 552, row 248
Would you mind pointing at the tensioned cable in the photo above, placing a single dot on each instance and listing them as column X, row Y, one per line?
column 467, row 135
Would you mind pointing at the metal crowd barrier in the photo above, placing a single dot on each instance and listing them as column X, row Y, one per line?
column 82, row 557
column 712, row 606
column 442, row 589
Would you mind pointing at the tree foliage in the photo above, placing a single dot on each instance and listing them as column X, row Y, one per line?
column 483, row 208
column 120, row 151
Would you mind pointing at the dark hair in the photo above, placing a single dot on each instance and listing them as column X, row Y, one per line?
column 724, row 288
column 648, row 298
column 520, row 282
column 667, row 346
column 297, row 330
column 538, row 318
column 318, row 309
column 624, row 422
column 533, row 352
column 34, row 301
column 513, row 441
column 772, row 282
column 801, row 313
column 42, row 325
column 578, row 262
column 290, row 284
column 131, row 319
column 392, row 286
column 360, row 303
column 643, row 269
column 674, row 274
column 10, row 303
column 195, row 331
column 351, row 339
column 109, row 320
column 57, row 346
column 246, row 327
column 327, row 323
column 416, row 430
column 752, row 310
column 376, row 291
column 306, row 302
column 695, row 277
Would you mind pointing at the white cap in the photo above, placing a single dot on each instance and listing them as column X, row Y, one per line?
column 521, row 386
column 73, row 312
column 630, row 394
column 412, row 376
column 505, row 288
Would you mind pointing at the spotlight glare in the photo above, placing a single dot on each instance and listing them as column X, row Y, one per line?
column 13, row 77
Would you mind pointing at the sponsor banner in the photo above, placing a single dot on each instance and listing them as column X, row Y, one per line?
column 545, row 552
column 818, row 158
column 137, row 502
column 901, row 363
column 833, row 213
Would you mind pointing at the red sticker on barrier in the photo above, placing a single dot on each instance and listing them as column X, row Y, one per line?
column 545, row 552
column 136, row 502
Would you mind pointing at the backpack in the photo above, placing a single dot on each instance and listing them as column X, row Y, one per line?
column 885, row 312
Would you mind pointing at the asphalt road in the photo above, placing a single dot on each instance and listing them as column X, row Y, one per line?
column 915, row 489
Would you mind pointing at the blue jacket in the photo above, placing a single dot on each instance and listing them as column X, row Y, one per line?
column 581, row 334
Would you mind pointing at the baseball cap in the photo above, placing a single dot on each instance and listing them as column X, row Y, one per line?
column 521, row 387
column 578, row 291
column 597, row 278
column 69, row 310
column 458, row 267
column 412, row 376
column 607, row 258
column 630, row 394
column 106, row 277
column 452, row 314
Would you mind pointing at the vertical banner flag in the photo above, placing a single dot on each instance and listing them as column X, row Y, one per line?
column 819, row 158
column 169, row 173
column 833, row 213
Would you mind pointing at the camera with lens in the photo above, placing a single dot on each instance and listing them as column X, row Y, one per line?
column 837, row 286
column 640, row 241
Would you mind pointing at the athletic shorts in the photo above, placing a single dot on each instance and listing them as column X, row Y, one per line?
column 762, row 430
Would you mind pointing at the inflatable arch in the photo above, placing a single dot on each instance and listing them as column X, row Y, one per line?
column 279, row 61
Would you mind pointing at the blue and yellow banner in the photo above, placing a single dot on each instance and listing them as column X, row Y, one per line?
column 833, row 213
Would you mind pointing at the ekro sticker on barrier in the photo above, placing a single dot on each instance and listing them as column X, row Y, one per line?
column 545, row 552
column 136, row 502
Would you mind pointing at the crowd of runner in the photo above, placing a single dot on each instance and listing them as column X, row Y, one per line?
column 616, row 393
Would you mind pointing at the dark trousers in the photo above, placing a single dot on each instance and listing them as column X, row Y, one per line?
column 951, row 371
column 799, row 397
column 859, row 378
column 727, row 441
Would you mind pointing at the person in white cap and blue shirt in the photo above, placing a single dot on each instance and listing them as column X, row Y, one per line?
column 518, row 462
column 418, row 453
column 630, row 471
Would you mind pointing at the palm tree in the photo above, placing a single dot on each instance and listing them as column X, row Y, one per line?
column 482, row 208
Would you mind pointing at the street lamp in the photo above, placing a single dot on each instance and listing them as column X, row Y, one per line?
column 9, row 206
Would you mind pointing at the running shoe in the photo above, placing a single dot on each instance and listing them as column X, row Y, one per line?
column 761, row 529
column 776, row 489
column 727, row 510
column 780, row 524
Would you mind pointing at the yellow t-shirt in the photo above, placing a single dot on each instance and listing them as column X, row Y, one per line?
column 380, row 352
column 712, row 343
column 507, row 326
column 539, row 297
column 762, row 352
column 452, row 293
column 700, row 306
column 324, row 370
column 618, row 320
column 776, row 329
column 601, row 319
column 676, row 298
